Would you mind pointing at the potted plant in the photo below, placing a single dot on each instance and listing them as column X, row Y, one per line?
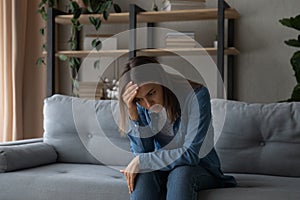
column 78, row 7
column 294, row 22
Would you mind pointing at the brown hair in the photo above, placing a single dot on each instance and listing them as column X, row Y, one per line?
column 170, row 101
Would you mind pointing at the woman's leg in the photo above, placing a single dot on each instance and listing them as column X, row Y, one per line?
column 184, row 182
column 149, row 186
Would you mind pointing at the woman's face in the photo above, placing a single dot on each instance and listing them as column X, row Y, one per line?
column 149, row 94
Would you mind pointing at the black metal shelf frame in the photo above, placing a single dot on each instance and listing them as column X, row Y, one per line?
column 134, row 10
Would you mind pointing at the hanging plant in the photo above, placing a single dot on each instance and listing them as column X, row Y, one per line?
column 42, row 10
column 102, row 7
column 77, row 8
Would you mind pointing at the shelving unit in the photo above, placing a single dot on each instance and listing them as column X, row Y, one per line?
column 138, row 15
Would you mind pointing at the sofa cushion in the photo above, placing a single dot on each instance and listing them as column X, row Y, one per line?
column 258, row 138
column 64, row 181
column 93, row 182
column 253, row 187
column 85, row 131
column 23, row 156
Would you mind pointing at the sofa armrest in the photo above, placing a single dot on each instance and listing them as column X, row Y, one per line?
column 19, row 142
column 21, row 156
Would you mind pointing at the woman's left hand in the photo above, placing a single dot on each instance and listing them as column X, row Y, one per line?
column 130, row 172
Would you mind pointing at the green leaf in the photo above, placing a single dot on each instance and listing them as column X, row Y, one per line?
column 105, row 6
column 76, row 84
column 51, row 3
column 293, row 43
column 77, row 61
column 296, row 93
column 93, row 20
column 44, row 14
column 296, row 22
column 295, row 62
column 73, row 44
column 98, row 24
column 74, row 5
column 74, row 63
column 117, row 8
column 62, row 57
column 79, row 27
column 42, row 3
column 90, row 9
column 40, row 61
column 96, row 43
column 86, row 2
column 97, row 64
column 292, row 22
column 42, row 31
column 44, row 47
column 77, row 13
column 74, row 21
column 105, row 14
column 286, row 22
column 97, row 8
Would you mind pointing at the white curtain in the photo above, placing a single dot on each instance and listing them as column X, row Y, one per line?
column 22, row 83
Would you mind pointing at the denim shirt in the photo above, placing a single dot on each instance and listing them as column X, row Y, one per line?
column 191, row 145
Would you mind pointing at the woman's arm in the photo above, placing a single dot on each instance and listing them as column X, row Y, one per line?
column 140, row 134
column 196, row 127
column 139, row 143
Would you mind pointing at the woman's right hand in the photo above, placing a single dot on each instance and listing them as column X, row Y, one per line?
column 129, row 99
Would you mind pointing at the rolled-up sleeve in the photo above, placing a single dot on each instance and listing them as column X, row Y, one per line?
column 140, row 134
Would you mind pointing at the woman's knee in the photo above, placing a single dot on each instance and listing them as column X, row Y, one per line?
column 191, row 178
column 146, row 186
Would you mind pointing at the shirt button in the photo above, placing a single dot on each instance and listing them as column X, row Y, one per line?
column 90, row 135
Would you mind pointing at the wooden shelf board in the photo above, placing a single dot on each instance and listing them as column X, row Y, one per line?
column 185, row 15
column 187, row 51
column 154, row 16
column 153, row 52
column 84, row 18
column 93, row 53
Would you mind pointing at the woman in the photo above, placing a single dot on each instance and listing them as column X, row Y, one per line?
column 170, row 134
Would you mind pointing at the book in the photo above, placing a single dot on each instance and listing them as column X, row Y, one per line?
column 89, row 90
column 180, row 40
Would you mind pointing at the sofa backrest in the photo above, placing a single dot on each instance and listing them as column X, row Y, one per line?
column 258, row 138
column 85, row 131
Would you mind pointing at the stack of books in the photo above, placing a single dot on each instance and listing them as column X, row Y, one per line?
column 180, row 40
column 90, row 90
column 187, row 4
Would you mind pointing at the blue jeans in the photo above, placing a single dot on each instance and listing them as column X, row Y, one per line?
column 181, row 183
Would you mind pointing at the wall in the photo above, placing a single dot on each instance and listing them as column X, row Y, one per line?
column 263, row 72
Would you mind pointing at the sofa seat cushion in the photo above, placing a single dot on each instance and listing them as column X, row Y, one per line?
column 64, row 182
column 253, row 187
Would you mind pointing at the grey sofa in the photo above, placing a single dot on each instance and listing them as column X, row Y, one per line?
column 81, row 153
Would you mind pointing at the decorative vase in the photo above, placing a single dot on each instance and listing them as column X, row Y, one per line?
column 166, row 5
